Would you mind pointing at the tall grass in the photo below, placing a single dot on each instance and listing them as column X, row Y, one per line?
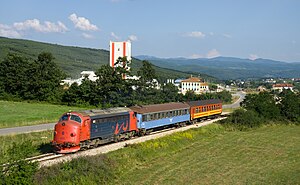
column 40, row 143
column 210, row 155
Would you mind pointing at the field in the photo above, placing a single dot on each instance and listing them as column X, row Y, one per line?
column 40, row 143
column 15, row 114
column 209, row 155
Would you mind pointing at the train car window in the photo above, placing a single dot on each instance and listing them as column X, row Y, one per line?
column 197, row 110
column 75, row 118
column 64, row 118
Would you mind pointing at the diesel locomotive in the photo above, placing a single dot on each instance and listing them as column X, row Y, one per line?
column 85, row 129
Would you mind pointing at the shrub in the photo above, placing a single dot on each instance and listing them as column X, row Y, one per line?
column 242, row 120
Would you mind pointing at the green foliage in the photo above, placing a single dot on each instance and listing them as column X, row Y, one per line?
column 263, row 109
column 31, row 80
column 18, row 170
column 263, row 103
column 40, row 143
column 147, row 74
column 242, row 120
column 290, row 105
column 93, row 170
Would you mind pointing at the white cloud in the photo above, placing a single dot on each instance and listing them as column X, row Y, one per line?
column 194, row 56
column 8, row 31
column 253, row 57
column 35, row 24
column 211, row 33
column 82, row 23
column 114, row 36
column 195, row 34
column 132, row 38
column 87, row 36
column 227, row 35
column 212, row 53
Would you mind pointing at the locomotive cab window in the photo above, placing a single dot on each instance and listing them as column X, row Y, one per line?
column 75, row 118
column 64, row 118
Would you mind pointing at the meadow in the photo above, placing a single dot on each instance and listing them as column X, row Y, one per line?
column 40, row 143
column 15, row 114
column 207, row 155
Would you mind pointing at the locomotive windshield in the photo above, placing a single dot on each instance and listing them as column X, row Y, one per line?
column 66, row 117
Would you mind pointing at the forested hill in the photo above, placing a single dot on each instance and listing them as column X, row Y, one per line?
column 73, row 60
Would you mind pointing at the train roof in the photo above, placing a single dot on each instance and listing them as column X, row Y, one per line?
column 106, row 112
column 204, row 102
column 159, row 107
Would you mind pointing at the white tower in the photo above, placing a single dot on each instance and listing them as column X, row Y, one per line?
column 119, row 49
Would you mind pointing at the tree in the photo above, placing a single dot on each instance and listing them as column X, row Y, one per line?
column 290, row 105
column 170, row 93
column 263, row 103
column 14, row 74
column 147, row 74
column 44, row 79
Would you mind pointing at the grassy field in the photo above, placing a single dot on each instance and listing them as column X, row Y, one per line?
column 40, row 143
column 21, row 113
column 210, row 155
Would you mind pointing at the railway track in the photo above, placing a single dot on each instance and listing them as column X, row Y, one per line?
column 48, row 160
column 52, row 158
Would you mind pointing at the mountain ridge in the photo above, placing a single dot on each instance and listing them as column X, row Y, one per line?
column 231, row 67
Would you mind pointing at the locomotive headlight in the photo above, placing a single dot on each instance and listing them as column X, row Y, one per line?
column 72, row 134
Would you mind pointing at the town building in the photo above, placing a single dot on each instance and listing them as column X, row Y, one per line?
column 84, row 74
column 281, row 87
column 194, row 84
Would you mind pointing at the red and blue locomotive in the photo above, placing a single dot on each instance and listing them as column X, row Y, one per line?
column 90, row 128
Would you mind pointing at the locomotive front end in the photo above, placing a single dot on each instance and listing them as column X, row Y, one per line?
column 67, row 134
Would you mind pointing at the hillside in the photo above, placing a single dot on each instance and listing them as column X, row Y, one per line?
column 73, row 60
column 230, row 67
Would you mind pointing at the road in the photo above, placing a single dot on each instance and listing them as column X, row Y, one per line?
column 237, row 103
column 50, row 126
column 26, row 129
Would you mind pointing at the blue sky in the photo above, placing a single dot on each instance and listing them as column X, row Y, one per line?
column 162, row 28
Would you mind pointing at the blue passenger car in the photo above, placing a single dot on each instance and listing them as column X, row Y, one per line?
column 159, row 115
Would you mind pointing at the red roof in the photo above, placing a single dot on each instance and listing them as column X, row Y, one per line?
column 192, row 79
column 283, row 85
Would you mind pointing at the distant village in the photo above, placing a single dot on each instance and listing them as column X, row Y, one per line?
column 195, row 84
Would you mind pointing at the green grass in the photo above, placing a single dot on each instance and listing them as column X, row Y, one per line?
column 210, row 155
column 15, row 114
column 40, row 142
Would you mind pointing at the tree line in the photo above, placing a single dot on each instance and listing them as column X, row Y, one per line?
column 40, row 80
column 265, row 108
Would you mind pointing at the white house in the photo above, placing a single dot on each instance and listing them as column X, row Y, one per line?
column 194, row 84
column 281, row 87
column 89, row 74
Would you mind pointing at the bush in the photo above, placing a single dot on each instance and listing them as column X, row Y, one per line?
column 242, row 120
